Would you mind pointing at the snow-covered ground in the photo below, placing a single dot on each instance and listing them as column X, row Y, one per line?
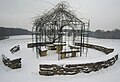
column 30, row 64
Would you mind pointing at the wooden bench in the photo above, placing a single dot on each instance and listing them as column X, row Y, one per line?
column 72, row 51
column 11, row 61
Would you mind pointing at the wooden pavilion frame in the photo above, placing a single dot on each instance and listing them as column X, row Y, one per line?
column 48, row 28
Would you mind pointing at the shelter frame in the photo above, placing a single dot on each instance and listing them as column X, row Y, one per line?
column 49, row 28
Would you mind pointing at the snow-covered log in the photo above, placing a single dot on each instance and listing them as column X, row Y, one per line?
column 11, row 61
column 96, row 47
column 71, row 69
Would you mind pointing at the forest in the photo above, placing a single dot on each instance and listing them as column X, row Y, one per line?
column 5, row 32
column 113, row 34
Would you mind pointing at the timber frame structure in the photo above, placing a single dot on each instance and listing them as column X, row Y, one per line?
column 50, row 27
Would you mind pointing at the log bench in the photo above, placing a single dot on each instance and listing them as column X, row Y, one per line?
column 72, row 51
column 11, row 61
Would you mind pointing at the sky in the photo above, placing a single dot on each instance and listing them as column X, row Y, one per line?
column 103, row 14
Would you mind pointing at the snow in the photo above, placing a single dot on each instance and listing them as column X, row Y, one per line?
column 59, row 43
column 30, row 63
column 80, row 60
column 74, row 46
column 68, row 50
column 43, row 49
column 10, row 55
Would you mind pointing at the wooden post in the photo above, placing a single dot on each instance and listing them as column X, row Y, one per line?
column 73, row 53
column 63, row 55
column 59, row 48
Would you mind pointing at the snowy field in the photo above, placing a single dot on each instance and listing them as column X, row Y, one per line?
column 30, row 64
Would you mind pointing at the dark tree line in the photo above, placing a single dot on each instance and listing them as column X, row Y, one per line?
column 114, row 34
column 6, row 32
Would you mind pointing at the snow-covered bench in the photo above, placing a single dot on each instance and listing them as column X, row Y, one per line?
column 11, row 61
column 15, row 49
